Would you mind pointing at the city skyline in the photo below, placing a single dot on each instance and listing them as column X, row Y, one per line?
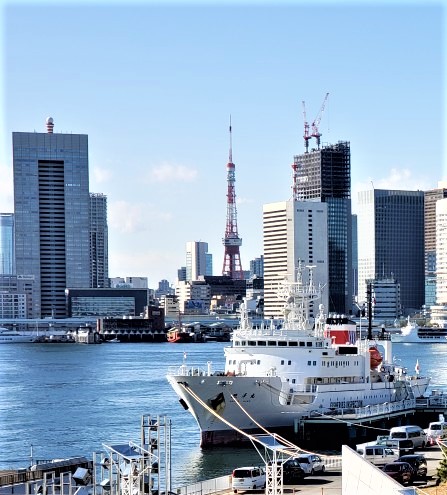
column 155, row 104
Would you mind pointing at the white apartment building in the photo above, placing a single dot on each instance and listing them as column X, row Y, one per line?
column 170, row 304
column 193, row 297
column 294, row 231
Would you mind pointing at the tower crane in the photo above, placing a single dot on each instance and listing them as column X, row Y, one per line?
column 306, row 135
column 316, row 123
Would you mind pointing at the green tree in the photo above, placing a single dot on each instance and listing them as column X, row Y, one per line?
column 442, row 469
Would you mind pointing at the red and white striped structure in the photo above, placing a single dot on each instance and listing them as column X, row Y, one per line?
column 232, row 258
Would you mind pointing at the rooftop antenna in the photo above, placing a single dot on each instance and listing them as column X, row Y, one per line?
column 230, row 154
column 50, row 124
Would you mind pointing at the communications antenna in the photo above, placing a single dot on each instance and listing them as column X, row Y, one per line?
column 232, row 259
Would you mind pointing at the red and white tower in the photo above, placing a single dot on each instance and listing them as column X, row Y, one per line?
column 232, row 258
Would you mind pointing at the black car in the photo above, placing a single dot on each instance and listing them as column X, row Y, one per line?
column 418, row 465
column 292, row 472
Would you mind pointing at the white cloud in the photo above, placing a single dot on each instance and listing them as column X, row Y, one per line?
column 101, row 175
column 130, row 218
column 397, row 179
column 169, row 172
column 6, row 189
column 241, row 201
column 127, row 217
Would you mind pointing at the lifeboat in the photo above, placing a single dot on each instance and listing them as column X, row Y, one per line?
column 375, row 358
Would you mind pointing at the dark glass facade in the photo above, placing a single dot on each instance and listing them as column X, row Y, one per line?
column 52, row 216
column 325, row 175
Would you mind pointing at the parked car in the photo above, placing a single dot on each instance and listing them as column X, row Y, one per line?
column 410, row 432
column 248, row 478
column 292, row 472
column 418, row 464
column 311, row 463
column 378, row 454
column 403, row 447
column 400, row 471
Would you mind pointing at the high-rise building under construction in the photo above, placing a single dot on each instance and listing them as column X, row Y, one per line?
column 325, row 175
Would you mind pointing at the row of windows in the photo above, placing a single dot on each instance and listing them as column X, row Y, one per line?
column 279, row 343
column 334, row 363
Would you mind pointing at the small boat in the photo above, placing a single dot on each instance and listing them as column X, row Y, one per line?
column 15, row 337
column 412, row 333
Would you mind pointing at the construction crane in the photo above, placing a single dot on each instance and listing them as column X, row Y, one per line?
column 306, row 135
column 316, row 123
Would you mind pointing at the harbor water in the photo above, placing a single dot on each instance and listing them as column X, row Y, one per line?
column 64, row 400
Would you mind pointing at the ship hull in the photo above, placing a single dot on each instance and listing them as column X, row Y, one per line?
column 228, row 408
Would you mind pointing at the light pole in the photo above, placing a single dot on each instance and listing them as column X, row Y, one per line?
column 360, row 320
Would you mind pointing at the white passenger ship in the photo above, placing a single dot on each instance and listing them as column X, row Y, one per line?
column 277, row 375
column 412, row 333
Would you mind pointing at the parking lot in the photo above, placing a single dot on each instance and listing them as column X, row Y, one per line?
column 330, row 483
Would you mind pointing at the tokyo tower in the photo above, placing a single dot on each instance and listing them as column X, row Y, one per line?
column 232, row 258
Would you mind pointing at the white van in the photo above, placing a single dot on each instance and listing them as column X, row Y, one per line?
column 410, row 432
column 248, row 478
column 378, row 454
column 436, row 429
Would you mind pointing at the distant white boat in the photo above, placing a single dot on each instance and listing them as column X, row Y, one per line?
column 15, row 337
column 412, row 333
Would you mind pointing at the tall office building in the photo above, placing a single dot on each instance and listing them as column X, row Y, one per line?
column 391, row 242
column 257, row 267
column 198, row 260
column 52, row 215
column 99, row 250
column 430, row 199
column 325, row 175
column 293, row 231
column 7, row 256
column 355, row 264
column 441, row 248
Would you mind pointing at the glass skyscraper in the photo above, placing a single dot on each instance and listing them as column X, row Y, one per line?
column 325, row 175
column 52, row 215
column 99, row 256
column 7, row 261
column 391, row 242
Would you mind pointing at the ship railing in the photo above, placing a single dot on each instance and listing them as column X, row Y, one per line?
column 367, row 411
column 432, row 400
column 185, row 370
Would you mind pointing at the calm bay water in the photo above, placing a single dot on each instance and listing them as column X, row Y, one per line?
column 67, row 400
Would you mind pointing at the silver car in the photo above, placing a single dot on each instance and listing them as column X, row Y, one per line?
column 311, row 463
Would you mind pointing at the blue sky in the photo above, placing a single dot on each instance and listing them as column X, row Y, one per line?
column 154, row 84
